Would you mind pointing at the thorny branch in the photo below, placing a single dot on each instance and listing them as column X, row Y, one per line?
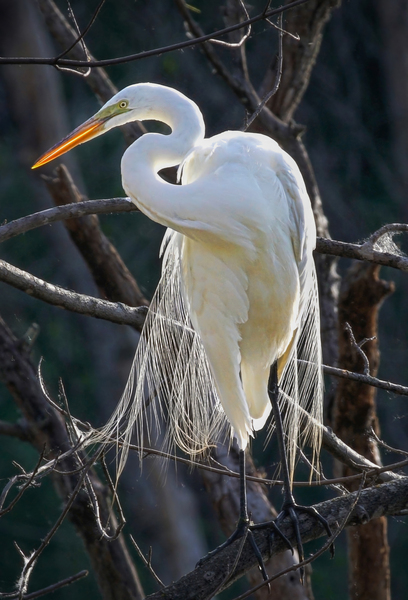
column 30, row 479
column 49, row 589
column 30, row 560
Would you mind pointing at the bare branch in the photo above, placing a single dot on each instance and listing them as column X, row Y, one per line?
column 66, row 37
column 147, row 562
column 81, row 72
column 49, row 589
column 243, row 38
column 358, row 252
column 330, row 442
column 98, row 80
column 29, row 481
column 328, row 545
column 395, row 388
column 65, row 62
column 79, row 303
column 238, row 85
column 308, row 22
column 112, row 277
column 119, row 205
column 30, row 561
column 358, row 348
column 84, row 32
column 350, row 457
column 114, row 571
column 385, row 229
column 278, row 78
column 385, row 445
column 61, row 213
column 103, row 530
column 386, row 499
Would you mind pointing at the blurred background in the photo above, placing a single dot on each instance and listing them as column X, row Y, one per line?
column 355, row 113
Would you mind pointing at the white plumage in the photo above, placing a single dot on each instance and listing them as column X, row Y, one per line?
column 238, row 288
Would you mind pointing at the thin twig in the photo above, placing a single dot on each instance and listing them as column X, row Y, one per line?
column 30, row 561
column 389, row 228
column 238, row 85
column 358, row 348
column 395, row 388
column 83, row 34
column 147, row 562
column 116, row 499
column 49, row 589
column 95, row 505
column 87, row 71
column 385, row 445
column 30, row 479
column 294, row 36
column 243, row 38
column 278, row 78
column 147, row 53
column 47, row 396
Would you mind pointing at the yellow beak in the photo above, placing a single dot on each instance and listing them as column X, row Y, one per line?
column 83, row 133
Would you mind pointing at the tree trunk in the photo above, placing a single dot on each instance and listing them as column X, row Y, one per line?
column 354, row 414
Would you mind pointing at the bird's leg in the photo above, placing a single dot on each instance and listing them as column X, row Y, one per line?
column 289, row 507
column 243, row 524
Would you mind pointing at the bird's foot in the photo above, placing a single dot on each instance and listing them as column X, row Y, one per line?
column 291, row 509
column 244, row 528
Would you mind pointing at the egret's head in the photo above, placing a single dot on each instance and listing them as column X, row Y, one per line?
column 139, row 101
column 115, row 112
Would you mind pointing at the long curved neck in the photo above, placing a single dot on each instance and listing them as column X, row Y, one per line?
column 152, row 152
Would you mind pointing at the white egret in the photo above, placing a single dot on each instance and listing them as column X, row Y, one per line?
column 238, row 289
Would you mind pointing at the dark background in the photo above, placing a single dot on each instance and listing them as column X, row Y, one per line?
column 356, row 135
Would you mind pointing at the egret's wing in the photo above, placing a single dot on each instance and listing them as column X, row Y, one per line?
column 216, row 291
column 170, row 367
column 301, row 382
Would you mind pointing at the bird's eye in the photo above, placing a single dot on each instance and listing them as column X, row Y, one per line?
column 123, row 104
